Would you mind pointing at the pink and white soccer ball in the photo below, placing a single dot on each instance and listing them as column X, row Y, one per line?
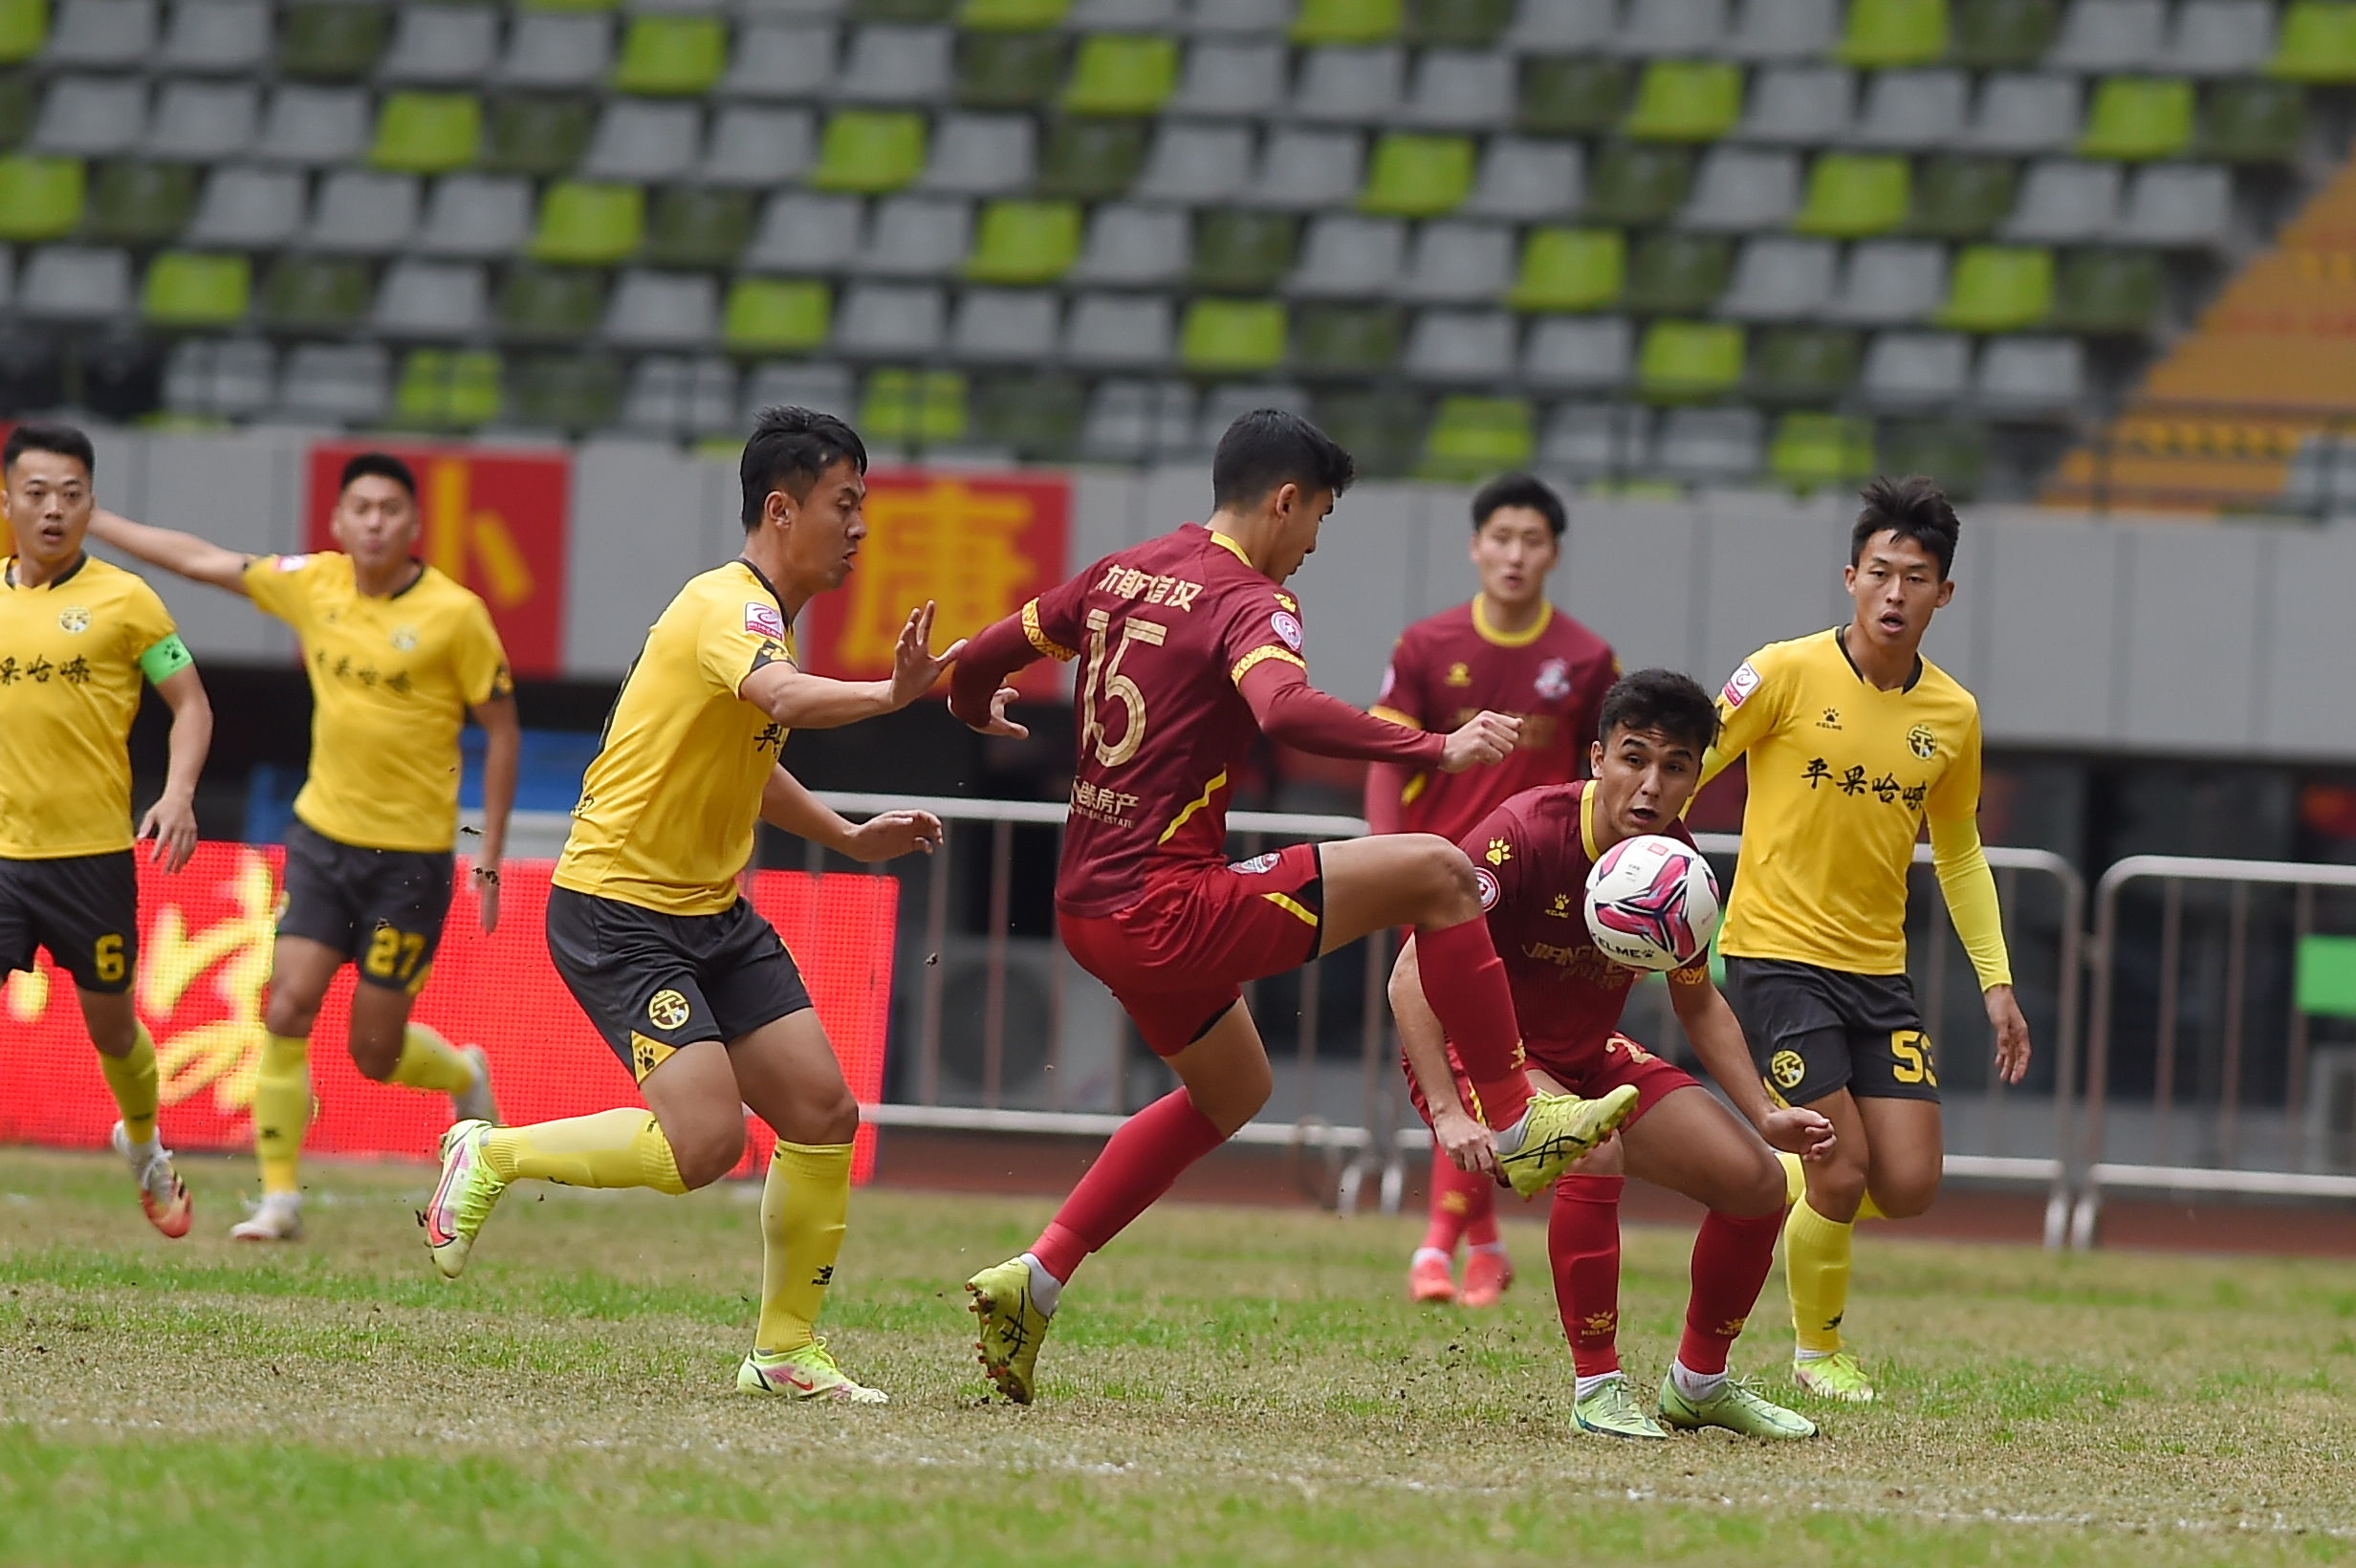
column 1653, row 903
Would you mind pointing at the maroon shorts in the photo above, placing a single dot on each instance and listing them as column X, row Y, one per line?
column 1590, row 1074
column 1177, row 959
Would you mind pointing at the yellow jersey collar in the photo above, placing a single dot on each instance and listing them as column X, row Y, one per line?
column 1230, row 545
column 80, row 560
column 1508, row 640
column 1586, row 824
column 1841, row 641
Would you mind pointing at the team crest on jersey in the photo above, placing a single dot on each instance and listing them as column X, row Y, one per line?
column 1256, row 864
column 1487, row 881
column 1739, row 686
column 667, row 1010
column 1787, row 1069
column 405, row 638
column 1920, row 741
column 74, row 621
column 1553, row 679
column 1287, row 627
column 1460, row 675
column 764, row 621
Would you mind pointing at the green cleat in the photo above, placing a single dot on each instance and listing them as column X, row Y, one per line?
column 808, row 1373
column 462, row 1200
column 1012, row 1326
column 1739, row 1407
column 1613, row 1411
column 1559, row 1129
column 1836, row 1376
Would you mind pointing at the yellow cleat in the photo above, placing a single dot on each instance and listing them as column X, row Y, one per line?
column 462, row 1200
column 807, row 1373
column 1012, row 1326
column 1836, row 1376
column 1560, row 1130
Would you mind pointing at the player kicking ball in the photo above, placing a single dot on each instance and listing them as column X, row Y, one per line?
column 77, row 637
column 689, row 985
column 1534, row 855
column 1191, row 650
column 398, row 654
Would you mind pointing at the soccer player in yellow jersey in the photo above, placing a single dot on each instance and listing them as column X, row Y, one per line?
column 685, row 980
column 1855, row 740
column 398, row 654
column 77, row 637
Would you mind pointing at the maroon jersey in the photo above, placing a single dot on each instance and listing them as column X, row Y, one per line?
column 1531, row 856
column 1449, row 666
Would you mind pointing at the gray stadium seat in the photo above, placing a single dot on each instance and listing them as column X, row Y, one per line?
column 765, row 11
column 361, row 212
column 982, row 155
column 335, row 384
column 1596, row 440
column 1004, row 326
column 2031, row 375
column 217, row 378
column 2186, row 205
column 249, row 209
column 1798, row 105
column 75, row 283
column 805, row 232
column 1739, row 189
column 917, row 236
column 1561, row 26
column 105, row 33
column 1579, row 352
column 891, row 321
column 431, row 299
column 1785, row 29
column 2107, row 36
column 1469, row 346
column 476, row 216
column 662, row 310
column 1347, row 256
column 1118, row 329
column 440, row 45
column 1132, row 246
column 2020, row 113
column 1305, row 170
column 209, row 37
column 1888, row 282
column 90, row 117
column 1916, row 370
column 1223, row 405
column 1125, row 16
column 1460, row 89
column 314, row 126
column 202, row 122
column 826, row 388
column 2223, row 38
column 1711, row 445
column 557, row 49
column 1913, row 111
column 1527, row 180
column 753, row 145
column 1780, row 277
column 1229, row 77
column 787, row 60
column 643, row 141
column 676, row 395
column 1459, row 263
column 2064, row 200
column 1255, row 18
column 1130, row 421
column 1675, row 28
column 1350, row 86
column 1192, row 164
column 897, row 65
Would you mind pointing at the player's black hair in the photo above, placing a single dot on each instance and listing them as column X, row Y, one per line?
column 379, row 466
column 34, row 436
column 1663, row 700
column 1268, row 448
column 1913, row 507
column 1519, row 490
column 787, row 451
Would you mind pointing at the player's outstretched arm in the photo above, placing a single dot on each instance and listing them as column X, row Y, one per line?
column 503, row 744
column 978, row 695
column 788, row 806
column 1292, row 712
column 1717, row 1039
column 199, row 560
column 171, row 821
column 800, row 700
column 1467, row 1142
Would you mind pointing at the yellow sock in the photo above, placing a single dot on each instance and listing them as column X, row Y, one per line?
column 802, row 1209
column 132, row 1081
column 1796, row 1186
column 281, row 1109
column 1816, row 1268
column 428, row 1061
column 612, row 1149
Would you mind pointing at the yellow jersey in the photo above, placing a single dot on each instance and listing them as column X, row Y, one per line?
column 1842, row 776
column 70, row 677
column 392, row 679
column 668, row 805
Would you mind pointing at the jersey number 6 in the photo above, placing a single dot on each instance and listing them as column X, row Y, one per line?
column 1105, row 672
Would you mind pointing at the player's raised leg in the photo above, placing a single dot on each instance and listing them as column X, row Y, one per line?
column 127, row 1058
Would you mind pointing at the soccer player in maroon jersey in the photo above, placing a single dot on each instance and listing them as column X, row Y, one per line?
column 1191, row 649
column 1510, row 651
column 1533, row 855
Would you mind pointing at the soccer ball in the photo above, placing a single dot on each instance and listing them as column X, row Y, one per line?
column 1653, row 903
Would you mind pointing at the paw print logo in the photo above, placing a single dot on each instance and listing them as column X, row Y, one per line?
column 1500, row 852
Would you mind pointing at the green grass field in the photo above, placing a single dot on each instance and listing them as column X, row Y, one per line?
column 1226, row 1385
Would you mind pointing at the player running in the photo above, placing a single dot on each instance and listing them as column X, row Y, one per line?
column 1191, row 650
column 1532, row 856
column 398, row 654
column 1854, row 740
column 1510, row 651
column 77, row 638
column 685, row 980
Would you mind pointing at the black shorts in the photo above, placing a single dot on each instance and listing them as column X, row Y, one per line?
column 84, row 909
column 652, row 982
column 382, row 908
column 1814, row 1031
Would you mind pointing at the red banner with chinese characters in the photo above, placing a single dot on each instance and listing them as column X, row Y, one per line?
column 494, row 520
column 976, row 545
column 204, row 964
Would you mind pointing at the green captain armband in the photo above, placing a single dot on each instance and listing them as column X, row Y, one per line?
column 166, row 659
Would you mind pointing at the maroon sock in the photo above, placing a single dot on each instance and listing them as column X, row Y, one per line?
column 1730, row 1258
column 1454, row 1194
column 1582, row 1243
column 1465, row 986
column 1137, row 1164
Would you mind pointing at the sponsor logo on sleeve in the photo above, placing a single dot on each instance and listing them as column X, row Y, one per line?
column 1287, row 627
column 1489, row 889
column 1256, row 864
column 1739, row 686
column 292, row 563
column 764, row 621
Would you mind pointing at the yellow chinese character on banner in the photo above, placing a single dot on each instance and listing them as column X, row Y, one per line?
column 237, row 950
column 944, row 541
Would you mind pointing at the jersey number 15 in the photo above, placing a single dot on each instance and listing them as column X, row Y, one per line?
column 1103, row 672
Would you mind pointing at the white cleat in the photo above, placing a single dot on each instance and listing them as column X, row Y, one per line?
column 162, row 1197
column 475, row 1104
column 278, row 1217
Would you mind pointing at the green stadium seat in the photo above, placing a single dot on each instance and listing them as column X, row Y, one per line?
column 1122, row 73
column 1383, row 430
column 1851, row 195
column 1025, row 241
column 2003, row 35
column 1012, row 15
column 698, row 226
column 2317, row 43
column 331, row 40
column 41, row 198
column 1678, row 275
column 556, row 304
column 1998, row 288
column 870, row 151
column 1804, row 367
column 671, row 56
column 1963, row 198
column 1636, row 185
column 1092, row 160
column 1458, row 24
column 1473, row 438
column 17, row 102
column 1346, row 340
column 1347, row 21
column 141, row 204
column 1954, row 452
column 539, row 137
column 2255, row 121
column 776, row 315
column 2139, row 118
column 1689, row 361
column 24, row 27
column 1575, row 96
column 1227, row 336
column 905, row 13
column 188, row 288
column 586, row 224
column 1416, row 176
column 440, row 389
column 315, row 294
column 427, row 133
column 1686, row 101
column 1571, row 270
column 915, row 408
column 1881, row 34
column 1243, row 251
column 1038, row 418
column 1812, row 452
column 572, row 392
column 1010, row 70
column 2108, row 294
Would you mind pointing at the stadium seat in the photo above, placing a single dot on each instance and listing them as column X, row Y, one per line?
column 1237, row 78
column 1781, row 278
column 186, row 289
column 2003, row 35
column 1571, row 96
column 1460, row 90
column 1346, row 340
column 1012, row 15
column 2177, row 205
column 870, row 151
column 643, row 142
column 427, row 133
column 676, row 394
column 1800, row 106
column 204, row 121
column 1881, row 34
column 476, row 215
column 336, row 383
column 75, row 283
column 1091, row 159
column 913, row 12
column 1579, row 352
column 698, row 226
column 536, row 136
column 1384, row 431
column 1911, row 111
column 1767, row 30
column 2223, row 38
column 1853, row 195
column 1889, row 283
column 1570, row 270
column 1227, row 336
column 1474, row 437
column 1025, row 241
column 2107, row 293
column 1804, row 367
column 140, row 203
column 1678, row 275
column 1246, row 252
column 332, row 40
column 570, row 392
column 2255, row 122
column 1527, row 181
column 1004, row 326
column 90, row 117
column 102, row 34
column 1036, row 418
column 1685, row 101
column 363, row 212
column 1115, row 74
column 1417, row 176
column 1810, row 452
column 1739, row 189
column 431, row 299
column 24, row 27
column 222, row 38
column 916, row 236
column 1305, row 169
column 2064, row 200
column 1563, row 27
column 17, row 107
column 41, row 198
column 1997, row 288
column 2023, row 114
column 1672, row 28
column 215, row 378
column 1637, row 184
column 1955, row 451
column 915, row 408
column 662, row 310
column 1348, row 256
column 1348, row 86
column 2032, row 378
column 1139, row 247
column 1010, row 70
column 1962, row 197
column 671, row 56
column 1459, row 263
column 249, row 209
column 582, row 224
column 315, row 294
column 2103, row 35
column 1916, row 370
column 891, row 322
column 2138, row 118
column 1347, row 21
column 440, row 45
column 785, row 60
column 556, row 52
column 1711, row 446
column 755, row 144
column 1457, row 24
column 803, row 232
column 811, row 385
column 897, row 65
column 553, row 304
column 2317, row 42
column 1683, row 362
column 1131, row 420
column 776, row 316
column 1118, row 329
column 1193, row 165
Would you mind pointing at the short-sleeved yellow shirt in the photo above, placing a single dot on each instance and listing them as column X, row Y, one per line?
column 70, row 681
column 391, row 680
column 668, row 809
